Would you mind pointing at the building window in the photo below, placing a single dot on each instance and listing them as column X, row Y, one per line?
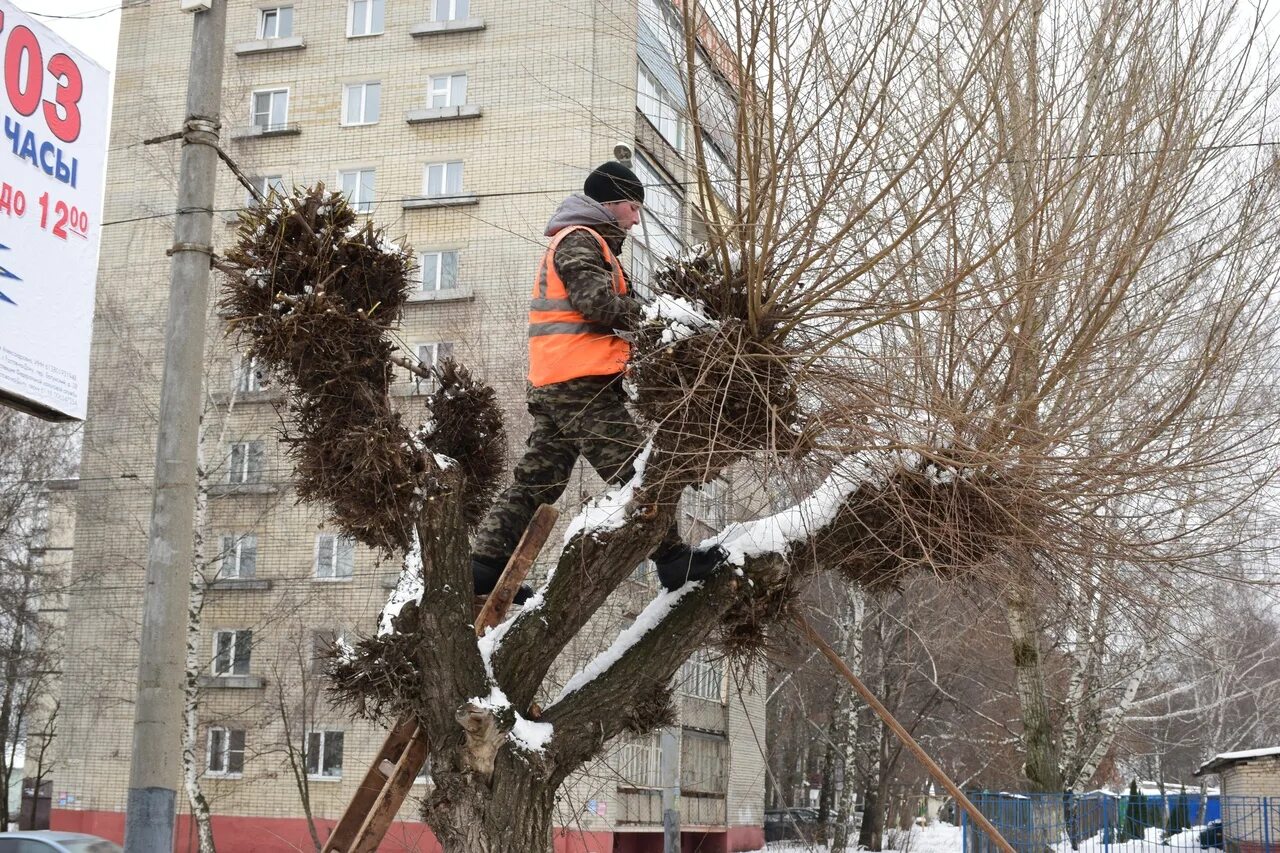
column 439, row 270
column 365, row 17
column 660, row 238
column 231, row 652
column 702, row 676
column 322, row 643
column 239, row 556
column 265, row 185
column 276, row 23
column 639, row 760
column 244, row 462
column 704, row 761
column 225, row 755
column 357, row 186
column 361, row 103
column 429, row 356
column 248, row 375
column 447, row 90
column 324, row 755
column 450, row 10
column 270, row 109
column 659, row 107
column 443, row 179
column 335, row 557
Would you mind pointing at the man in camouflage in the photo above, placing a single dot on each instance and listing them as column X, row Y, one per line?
column 580, row 302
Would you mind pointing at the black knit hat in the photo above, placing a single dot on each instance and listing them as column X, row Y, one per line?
column 612, row 181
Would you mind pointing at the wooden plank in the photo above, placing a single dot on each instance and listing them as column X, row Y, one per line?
column 517, row 569
column 371, row 787
column 393, row 794
column 380, row 795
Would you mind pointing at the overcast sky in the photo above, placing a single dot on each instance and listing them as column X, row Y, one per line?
column 91, row 25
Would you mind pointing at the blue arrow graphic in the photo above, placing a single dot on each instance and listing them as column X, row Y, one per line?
column 4, row 273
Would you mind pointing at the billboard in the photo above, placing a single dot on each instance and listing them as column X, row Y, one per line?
column 52, row 162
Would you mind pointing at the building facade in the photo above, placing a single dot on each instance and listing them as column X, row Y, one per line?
column 457, row 125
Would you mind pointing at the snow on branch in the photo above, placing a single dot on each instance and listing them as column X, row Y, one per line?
column 775, row 534
column 648, row 619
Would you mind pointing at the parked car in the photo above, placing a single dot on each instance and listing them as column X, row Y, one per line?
column 51, row 841
column 798, row 824
column 1211, row 835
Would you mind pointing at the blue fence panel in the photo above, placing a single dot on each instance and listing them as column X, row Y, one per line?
column 1100, row 823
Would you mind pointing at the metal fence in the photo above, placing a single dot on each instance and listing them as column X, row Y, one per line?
column 1101, row 823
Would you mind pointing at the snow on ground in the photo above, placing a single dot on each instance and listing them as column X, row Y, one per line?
column 1155, row 842
column 934, row 838
column 945, row 838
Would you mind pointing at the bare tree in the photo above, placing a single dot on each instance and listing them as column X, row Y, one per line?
column 1013, row 339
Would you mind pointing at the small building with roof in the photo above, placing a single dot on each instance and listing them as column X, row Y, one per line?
column 1250, row 784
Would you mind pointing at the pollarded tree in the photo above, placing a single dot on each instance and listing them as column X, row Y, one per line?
column 959, row 413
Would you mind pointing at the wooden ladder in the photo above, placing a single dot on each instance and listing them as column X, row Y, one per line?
column 387, row 782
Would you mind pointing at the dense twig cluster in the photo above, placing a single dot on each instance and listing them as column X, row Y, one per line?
column 723, row 391
column 378, row 679
column 315, row 290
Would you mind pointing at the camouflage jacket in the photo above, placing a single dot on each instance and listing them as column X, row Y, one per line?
column 587, row 277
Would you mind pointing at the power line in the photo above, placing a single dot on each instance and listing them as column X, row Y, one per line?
column 89, row 15
column 684, row 185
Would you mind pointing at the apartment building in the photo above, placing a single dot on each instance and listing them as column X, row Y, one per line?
column 458, row 125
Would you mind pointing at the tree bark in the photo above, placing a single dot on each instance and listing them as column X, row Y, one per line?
column 1042, row 767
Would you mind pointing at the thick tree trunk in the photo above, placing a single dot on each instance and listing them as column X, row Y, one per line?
column 512, row 816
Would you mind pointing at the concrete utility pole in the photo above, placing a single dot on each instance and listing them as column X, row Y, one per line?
column 669, row 742
column 157, row 724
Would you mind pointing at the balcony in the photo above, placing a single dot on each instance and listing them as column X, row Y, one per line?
column 449, row 294
column 262, row 131
column 232, row 682
column 239, row 583
column 261, row 46
column 442, row 114
column 423, row 202
column 221, row 489
column 435, row 28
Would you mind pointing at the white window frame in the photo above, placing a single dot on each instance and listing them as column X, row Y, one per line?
column 457, row 10
column 660, row 233
column 702, row 676
column 354, row 199
column 248, row 471
column 321, row 772
column 348, row 91
column 247, row 376
column 639, row 761
column 367, row 24
column 238, row 637
column 265, row 184
column 253, row 108
column 451, row 176
column 429, row 354
column 434, row 259
column 263, row 15
column 447, row 90
column 226, row 753
column 659, row 107
column 341, row 552
column 233, row 549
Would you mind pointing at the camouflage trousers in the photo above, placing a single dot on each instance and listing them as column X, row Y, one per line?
column 582, row 417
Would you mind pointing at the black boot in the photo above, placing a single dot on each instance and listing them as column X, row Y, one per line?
column 485, row 576
column 686, row 564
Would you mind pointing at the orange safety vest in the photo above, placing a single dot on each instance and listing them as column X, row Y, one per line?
column 563, row 344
